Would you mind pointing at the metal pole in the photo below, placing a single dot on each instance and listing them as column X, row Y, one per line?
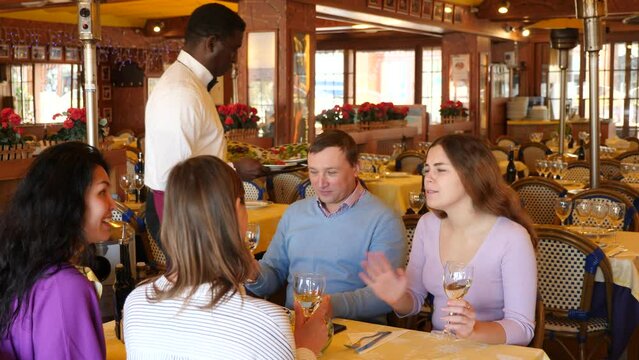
column 90, row 92
column 563, row 65
column 89, row 32
column 590, row 11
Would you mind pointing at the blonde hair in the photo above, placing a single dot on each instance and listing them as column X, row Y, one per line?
column 201, row 233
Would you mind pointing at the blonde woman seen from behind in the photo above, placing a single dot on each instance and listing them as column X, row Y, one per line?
column 199, row 308
column 476, row 219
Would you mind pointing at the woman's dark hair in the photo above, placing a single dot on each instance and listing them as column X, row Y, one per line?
column 212, row 19
column 42, row 226
column 479, row 173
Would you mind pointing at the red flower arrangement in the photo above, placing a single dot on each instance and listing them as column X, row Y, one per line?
column 10, row 133
column 238, row 116
column 338, row 115
column 383, row 111
column 453, row 108
column 74, row 127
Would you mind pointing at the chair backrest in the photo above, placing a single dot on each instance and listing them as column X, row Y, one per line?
column 634, row 143
column 154, row 253
column 500, row 153
column 252, row 191
column 624, row 189
column 631, row 221
column 629, row 156
column 578, row 171
column 409, row 161
column 566, row 267
column 305, row 189
column 540, row 318
column 410, row 223
column 610, row 169
column 530, row 152
column 506, row 142
column 538, row 196
column 283, row 187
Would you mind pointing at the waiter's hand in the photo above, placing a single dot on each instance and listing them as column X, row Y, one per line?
column 249, row 169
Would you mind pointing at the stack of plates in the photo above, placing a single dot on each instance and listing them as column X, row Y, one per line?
column 538, row 112
column 517, row 108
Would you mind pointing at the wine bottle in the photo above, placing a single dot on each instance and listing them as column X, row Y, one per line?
column 122, row 287
column 581, row 152
column 511, row 169
column 139, row 165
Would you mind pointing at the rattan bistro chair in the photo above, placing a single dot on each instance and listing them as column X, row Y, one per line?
column 252, row 191
column 282, row 188
column 578, row 171
column 500, row 153
column 610, row 169
column 410, row 161
column 629, row 156
column 305, row 189
column 538, row 196
column 506, row 142
column 566, row 267
column 530, row 152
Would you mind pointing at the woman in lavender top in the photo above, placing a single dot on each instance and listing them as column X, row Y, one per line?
column 48, row 309
column 475, row 219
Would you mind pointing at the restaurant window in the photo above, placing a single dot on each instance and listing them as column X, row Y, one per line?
column 329, row 79
column 385, row 76
column 632, row 58
column 432, row 82
column 42, row 90
column 605, row 92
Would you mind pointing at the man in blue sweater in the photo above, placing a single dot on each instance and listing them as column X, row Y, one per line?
column 330, row 234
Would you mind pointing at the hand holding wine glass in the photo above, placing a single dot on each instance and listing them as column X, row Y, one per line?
column 252, row 236
column 308, row 289
column 458, row 277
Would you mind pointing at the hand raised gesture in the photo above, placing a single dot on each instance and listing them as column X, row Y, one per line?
column 387, row 283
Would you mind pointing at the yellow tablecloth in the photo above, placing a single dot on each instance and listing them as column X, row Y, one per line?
column 394, row 191
column 625, row 265
column 268, row 218
column 410, row 345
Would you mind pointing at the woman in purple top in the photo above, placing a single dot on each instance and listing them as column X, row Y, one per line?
column 476, row 219
column 48, row 310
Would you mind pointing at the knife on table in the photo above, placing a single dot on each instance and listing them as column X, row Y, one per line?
column 373, row 342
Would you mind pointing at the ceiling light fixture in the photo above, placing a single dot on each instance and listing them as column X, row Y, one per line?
column 448, row 9
column 158, row 27
column 525, row 32
column 504, row 5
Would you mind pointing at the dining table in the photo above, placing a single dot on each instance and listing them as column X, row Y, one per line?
column 400, row 344
column 267, row 215
column 393, row 189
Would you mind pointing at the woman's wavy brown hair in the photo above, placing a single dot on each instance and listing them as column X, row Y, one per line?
column 482, row 180
column 201, row 233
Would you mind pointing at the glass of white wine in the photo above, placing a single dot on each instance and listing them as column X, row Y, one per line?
column 308, row 289
column 416, row 200
column 457, row 279
column 252, row 236
column 616, row 216
column 126, row 183
column 563, row 207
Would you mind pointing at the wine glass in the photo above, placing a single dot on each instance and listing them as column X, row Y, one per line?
column 138, row 184
column 583, row 211
column 308, row 289
column 457, row 279
column 125, row 182
column 252, row 236
column 616, row 215
column 599, row 212
column 416, row 200
column 563, row 207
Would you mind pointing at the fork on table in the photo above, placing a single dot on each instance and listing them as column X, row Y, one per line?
column 358, row 343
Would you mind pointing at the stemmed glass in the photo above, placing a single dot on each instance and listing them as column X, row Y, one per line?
column 125, row 182
column 563, row 207
column 599, row 212
column 416, row 200
column 583, row 211
column 308, row 289
column 138, row 184
column 542, row 167
column 252, row 236
column 457, row 279
column 616, row 215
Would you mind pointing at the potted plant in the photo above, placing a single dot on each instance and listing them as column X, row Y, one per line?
column 74, row 127
column 239, row 120
column 452, row 111
column 338, row 117
column 11, row 141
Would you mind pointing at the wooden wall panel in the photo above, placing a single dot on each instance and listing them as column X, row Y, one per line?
column 128, row 109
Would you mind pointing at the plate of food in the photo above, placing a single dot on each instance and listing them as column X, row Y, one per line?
column 295, row 161
column 589, row 230
column 256, row 204
column 277, row 166
column 397, row 174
